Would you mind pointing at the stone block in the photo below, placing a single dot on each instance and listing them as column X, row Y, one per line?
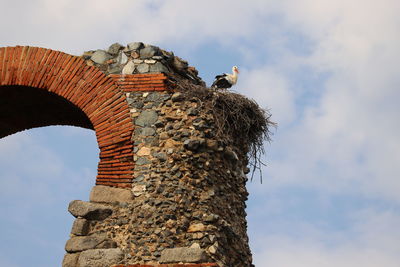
column 70, row 260
column 191, row 144
column 129, row 68
column 138, row 190
column 161, row 156
column 135, row 45
column 147, row 131
column 122, row 58
column 144, row 151
column 198, row 227
column 90, row 211
column 100, row 257
column 159, row 67
column 179, row 64
column 114, row 48
column 80, row 227
column 150, row 61
column 100, row 57
column 143, row 68
column 149, row 51
column 114, row 69
column 177, row 97
column 185, row 255
column 81, row 243
column 147, row 118
column 107, row 194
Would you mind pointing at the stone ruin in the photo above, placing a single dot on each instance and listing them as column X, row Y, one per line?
column 170, row 189
column 138, row 58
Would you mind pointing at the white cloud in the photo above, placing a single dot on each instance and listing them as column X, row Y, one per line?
column 345, row 143
column 347, row 139
column 32, row 169
column 271, row 90
column 374, row 242
column 21, row 152
column 37, row 182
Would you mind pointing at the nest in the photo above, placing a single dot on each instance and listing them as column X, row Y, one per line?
column 238, row 120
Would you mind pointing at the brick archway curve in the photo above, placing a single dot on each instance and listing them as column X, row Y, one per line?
column 90, row 90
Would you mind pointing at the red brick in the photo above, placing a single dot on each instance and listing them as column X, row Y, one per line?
column 9, row 53
column 2, row 64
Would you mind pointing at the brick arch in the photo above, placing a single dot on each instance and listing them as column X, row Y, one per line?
column 89, row 90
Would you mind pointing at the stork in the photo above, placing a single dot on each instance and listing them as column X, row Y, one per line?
column 226, row 80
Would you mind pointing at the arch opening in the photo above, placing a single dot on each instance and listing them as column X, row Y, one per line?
column 70, row 93
column 42, row 170
column 24, row 107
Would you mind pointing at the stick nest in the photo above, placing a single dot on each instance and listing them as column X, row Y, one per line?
column 238, row 120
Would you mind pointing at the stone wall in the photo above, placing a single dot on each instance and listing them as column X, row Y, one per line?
column 168, row 190
column 139, row 58
column 187, row 202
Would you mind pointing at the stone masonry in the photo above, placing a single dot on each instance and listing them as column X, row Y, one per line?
column 169, row 191
column 139, row 58
column 187, row 199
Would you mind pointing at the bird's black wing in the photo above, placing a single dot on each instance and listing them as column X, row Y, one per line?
column 218, row 79
column 221, row 83
column 223, row 75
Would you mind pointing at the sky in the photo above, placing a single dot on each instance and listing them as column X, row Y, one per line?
column 326, row 70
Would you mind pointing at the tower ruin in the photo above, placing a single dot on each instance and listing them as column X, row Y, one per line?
column 171, row 182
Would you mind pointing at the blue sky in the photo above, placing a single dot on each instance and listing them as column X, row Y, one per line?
column 327, row 70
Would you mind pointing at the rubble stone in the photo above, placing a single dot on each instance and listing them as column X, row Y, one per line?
column 143, row 68
column 122, row 58
column 146, row 118
column 191, row 144
column 137, row 57
column 176, row 97
column 100, row 57
column 129, row 68
column 149, row 51
column 115, row 48
column 159, row 67
column 135, row 45
column 199, row 227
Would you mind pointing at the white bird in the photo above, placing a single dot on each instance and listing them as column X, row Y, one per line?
column 226, row 80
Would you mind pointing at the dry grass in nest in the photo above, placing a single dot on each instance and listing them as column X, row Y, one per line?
column 238, row 119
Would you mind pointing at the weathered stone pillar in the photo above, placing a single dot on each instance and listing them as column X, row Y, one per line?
column 187, row 202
